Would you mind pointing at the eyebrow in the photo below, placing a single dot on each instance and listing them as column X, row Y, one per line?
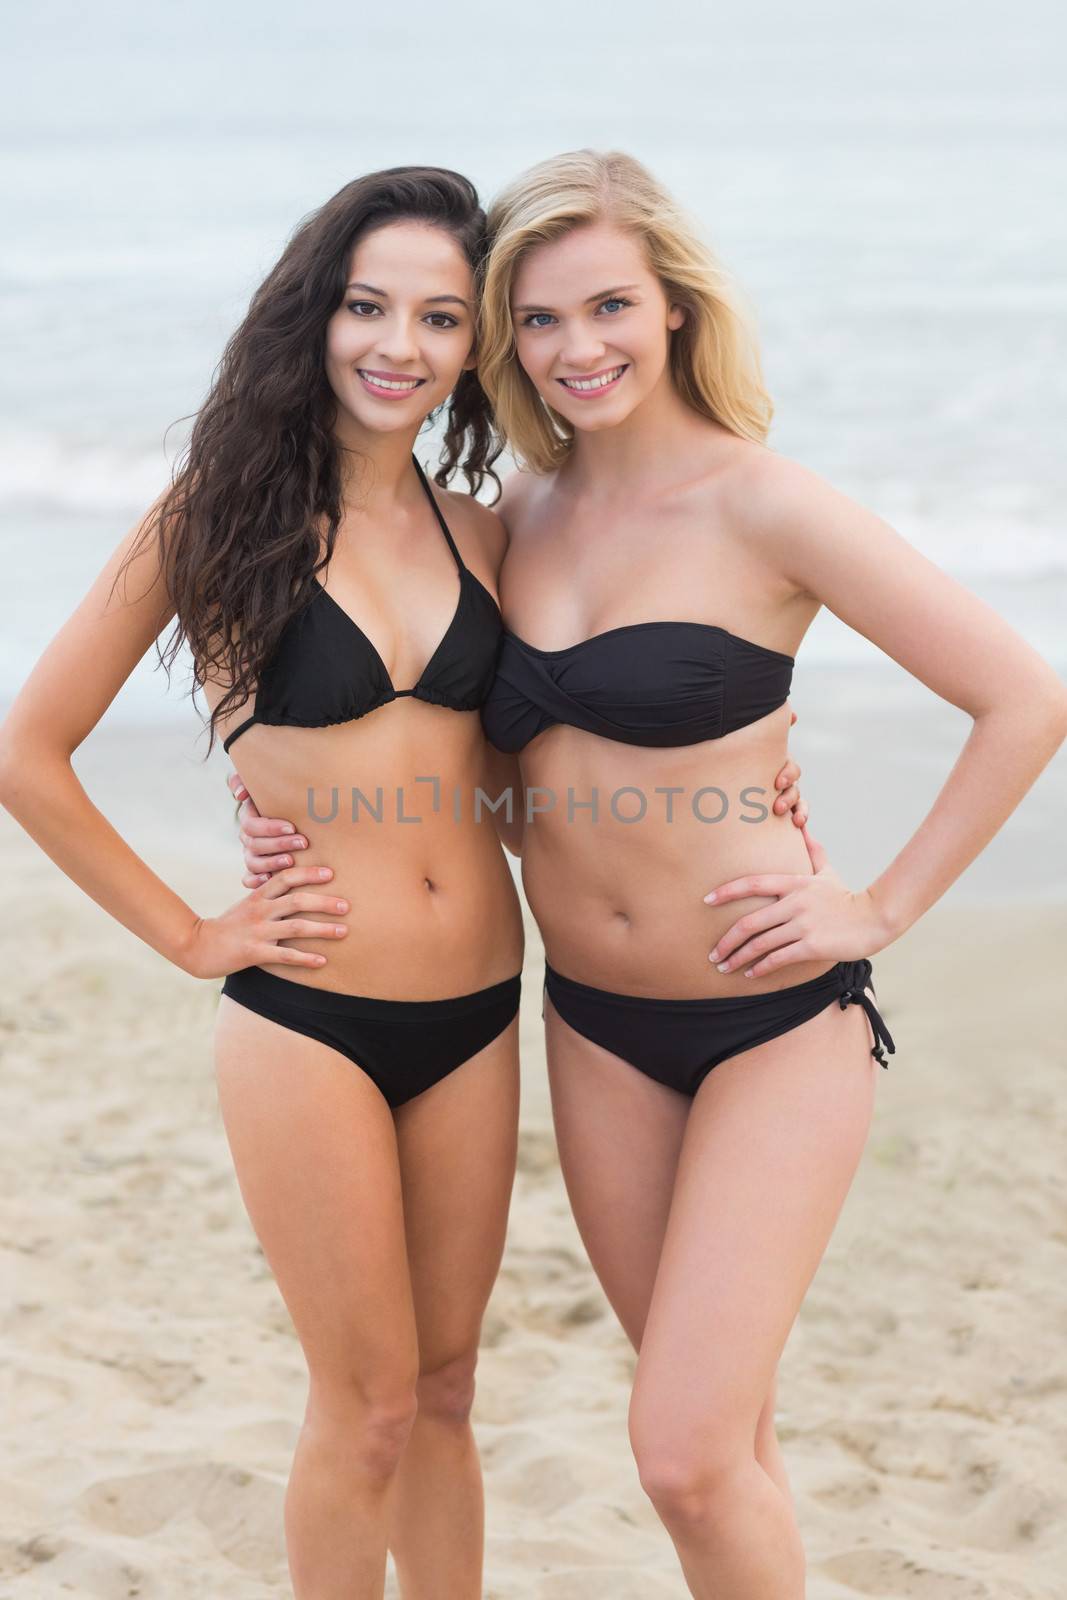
column 603, row 294
column 431, row 300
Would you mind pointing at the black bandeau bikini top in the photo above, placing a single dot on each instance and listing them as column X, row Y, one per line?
column 325, row 670
column 647, row 683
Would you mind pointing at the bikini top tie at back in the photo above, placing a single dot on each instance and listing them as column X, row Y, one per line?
column 325, row 670
column 646, row 683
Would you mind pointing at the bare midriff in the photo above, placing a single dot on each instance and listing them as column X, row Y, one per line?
column 434, row 911
column 619, row 896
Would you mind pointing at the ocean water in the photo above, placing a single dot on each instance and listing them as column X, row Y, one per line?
column 884, row 180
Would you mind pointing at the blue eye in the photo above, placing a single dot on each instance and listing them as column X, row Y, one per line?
column 538, row 319
column 614, row 301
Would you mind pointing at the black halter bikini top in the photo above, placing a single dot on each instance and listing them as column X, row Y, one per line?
column 647, row 683
column 325, row 670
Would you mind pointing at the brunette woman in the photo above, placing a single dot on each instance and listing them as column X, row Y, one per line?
column 341, row 614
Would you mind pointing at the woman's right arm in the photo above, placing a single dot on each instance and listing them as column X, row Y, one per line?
column 68, row 692
column 503, row 785
column 270, row 844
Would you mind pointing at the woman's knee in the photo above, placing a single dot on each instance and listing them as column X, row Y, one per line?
column 446, row 1392
column 683, row 1467
column 689, row 1487
column 367, row 1419
column 676, row 1480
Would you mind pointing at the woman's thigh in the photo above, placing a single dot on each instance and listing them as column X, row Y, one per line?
column 620, row 1136
column 457, row 1147
column 770, row 1150
column 315, row 1152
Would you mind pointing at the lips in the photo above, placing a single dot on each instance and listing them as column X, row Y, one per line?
column 390, row 383
column 594, row 383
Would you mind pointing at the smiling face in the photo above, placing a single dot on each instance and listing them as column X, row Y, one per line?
column 592, row 325
column 404, row 332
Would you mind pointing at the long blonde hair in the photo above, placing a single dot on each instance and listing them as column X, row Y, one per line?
column 714, row 356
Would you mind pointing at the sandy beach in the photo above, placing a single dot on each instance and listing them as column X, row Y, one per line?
column 153, row 1383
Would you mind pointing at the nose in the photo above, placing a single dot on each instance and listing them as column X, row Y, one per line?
column 582, row 347
column 397, row 341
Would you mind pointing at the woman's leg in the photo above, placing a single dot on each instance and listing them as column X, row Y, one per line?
column 770, row 1150
column 620, row 1136
column 315, row 1152
column 457, row 1145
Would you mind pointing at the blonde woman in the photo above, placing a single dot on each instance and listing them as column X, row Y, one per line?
column 662, row 570
column 711, row 1038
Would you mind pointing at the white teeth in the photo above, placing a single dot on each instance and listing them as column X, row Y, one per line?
column 388, row 383
column 593, row 383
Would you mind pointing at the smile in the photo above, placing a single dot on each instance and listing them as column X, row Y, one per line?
column 388, row 384
column 597, row 383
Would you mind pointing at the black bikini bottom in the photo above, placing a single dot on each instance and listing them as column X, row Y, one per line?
column 404, row 1046
column 677, row 1042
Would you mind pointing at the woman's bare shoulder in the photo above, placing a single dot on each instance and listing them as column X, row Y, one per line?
column 522, row 496
column 770, row 494
column 477, row 528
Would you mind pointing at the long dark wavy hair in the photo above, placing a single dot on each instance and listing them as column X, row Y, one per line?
column 238, row 528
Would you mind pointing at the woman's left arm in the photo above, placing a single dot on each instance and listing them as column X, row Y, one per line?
column 862, row 570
